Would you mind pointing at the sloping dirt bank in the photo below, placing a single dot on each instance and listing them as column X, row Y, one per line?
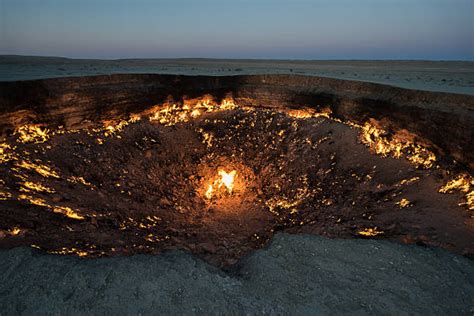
column 296, row 274
column 442, row 120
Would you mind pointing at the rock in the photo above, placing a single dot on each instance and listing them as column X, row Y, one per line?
column 57, row 198
column 209, row 247
column 148, row 154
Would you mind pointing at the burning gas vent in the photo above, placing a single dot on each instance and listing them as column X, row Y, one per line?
column 219, row 180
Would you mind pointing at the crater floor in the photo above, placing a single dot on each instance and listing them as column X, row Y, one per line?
column 157, row 182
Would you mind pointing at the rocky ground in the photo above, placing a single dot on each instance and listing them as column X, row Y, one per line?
column 296, row 274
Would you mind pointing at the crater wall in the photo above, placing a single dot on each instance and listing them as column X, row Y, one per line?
column 442, row 121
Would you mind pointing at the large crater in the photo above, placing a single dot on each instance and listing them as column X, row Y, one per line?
column 140, row 164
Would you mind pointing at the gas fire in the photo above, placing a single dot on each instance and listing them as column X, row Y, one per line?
column 32, row 134
column 379, row 141
column 225, row 180
column 463, row 183
column 370, row 232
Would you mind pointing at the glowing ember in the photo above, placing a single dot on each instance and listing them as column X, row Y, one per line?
column 379, row 141
column 195, row 113
column 14, row 231
column 29, row 186
column 43, row 170
column 170, row 114
column 7, row 153
column 409, row 181
column 463, row 183
column 67, row 211
column 308, row 113
column 209, row 191
column 114, row 128
column 81, row 180
column 370, row 232
column 32, row 134
column 403, row 203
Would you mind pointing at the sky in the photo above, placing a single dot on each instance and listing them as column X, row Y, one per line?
column 270, row 29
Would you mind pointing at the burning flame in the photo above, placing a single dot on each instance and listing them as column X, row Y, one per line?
column 209, row 191
column 370, row 232
column 306, row 113
column 29, row 186
column 403, row 203
column 41, row 169
column 377, row 139
column 170, row 114
column 14, row 231
column 7, row 153
column 226, row 179
column 463, row 183
column 64, row 210
column 32, row 134
column 460, row 183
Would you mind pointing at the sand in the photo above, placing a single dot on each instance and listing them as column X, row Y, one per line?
column 443, row 76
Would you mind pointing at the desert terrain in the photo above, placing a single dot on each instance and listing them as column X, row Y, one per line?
column 443, row 76
column 111, row 167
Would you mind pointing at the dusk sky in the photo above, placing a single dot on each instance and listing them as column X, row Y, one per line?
column 299, row 29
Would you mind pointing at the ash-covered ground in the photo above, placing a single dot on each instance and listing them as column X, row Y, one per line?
column 219, row 182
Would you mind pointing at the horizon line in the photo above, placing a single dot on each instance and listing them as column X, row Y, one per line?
column 229, row 58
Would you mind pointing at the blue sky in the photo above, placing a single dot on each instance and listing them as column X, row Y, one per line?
column 298, row 29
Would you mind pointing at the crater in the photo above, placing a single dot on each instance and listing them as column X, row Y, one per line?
column 218, row 177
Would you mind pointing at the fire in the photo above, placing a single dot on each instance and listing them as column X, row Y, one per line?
column 81, row 180
column 7, row 153
column 306, row 113
column 378, row 140
column 403, row 203
column 112, row 128
column 67, row 211
column 460, row 183
column 41, row 169
column 170, row 114
column 29, row 186
column 32, row 134
column 64, row 210
column 463, row 183
column 14, row 231
column 209, row 191
column 195, row 113
column 5, row 196
column 226, row 179
column 370, row 232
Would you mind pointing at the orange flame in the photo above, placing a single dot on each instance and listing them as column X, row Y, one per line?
column 226, row 180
